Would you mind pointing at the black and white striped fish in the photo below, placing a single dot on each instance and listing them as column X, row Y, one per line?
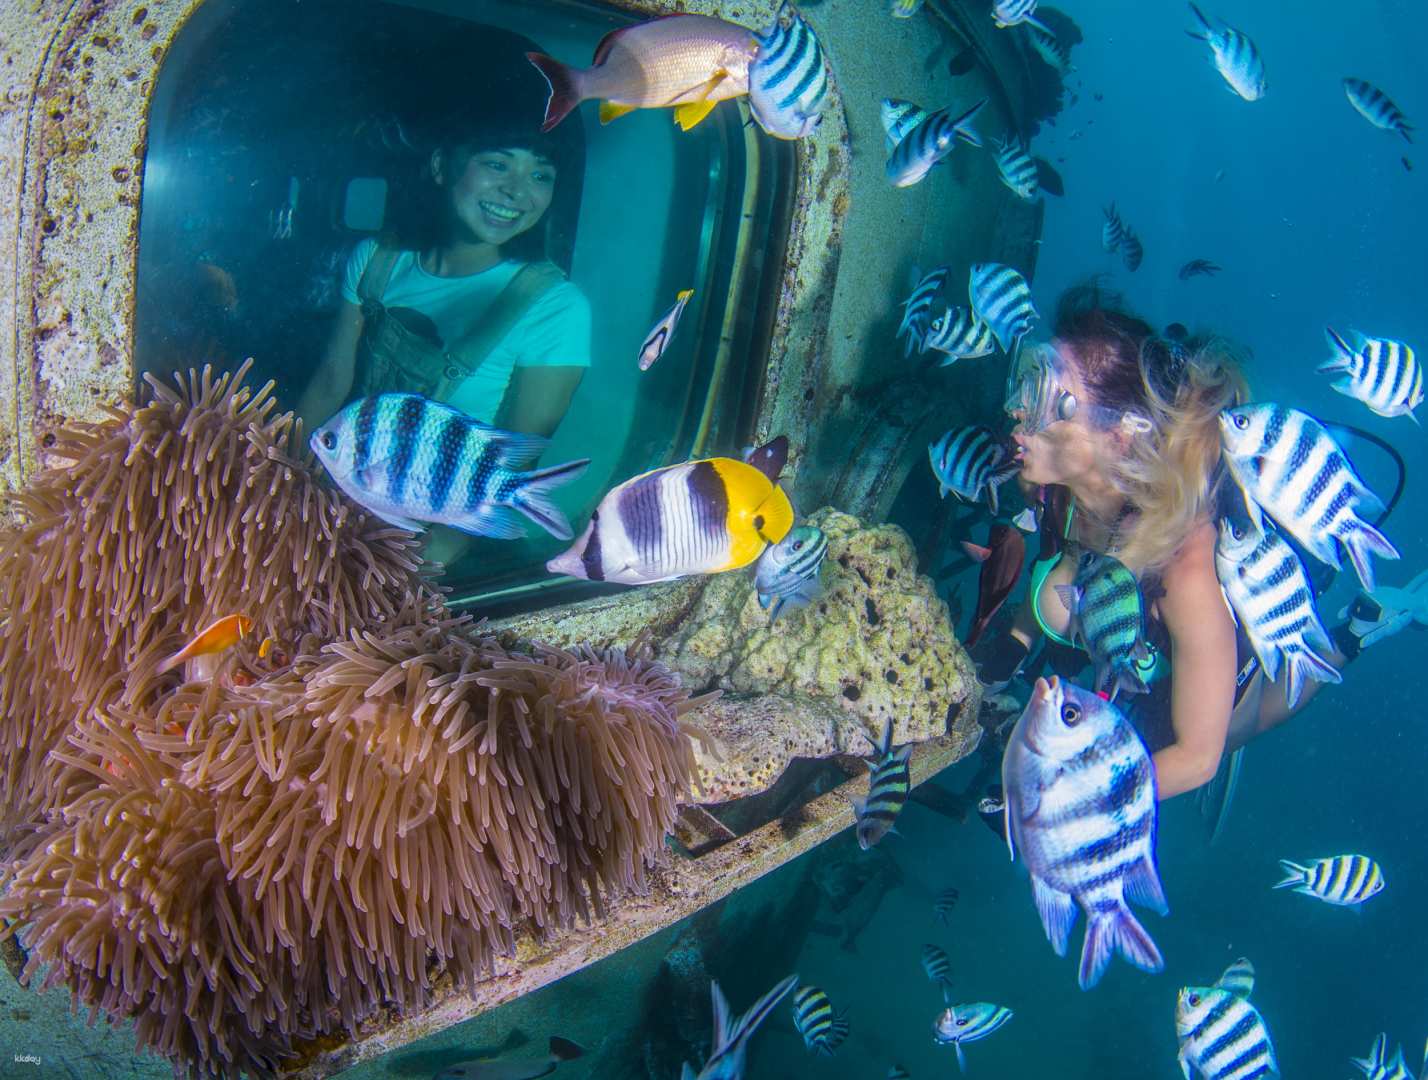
column 1233, row 54
column 960, row 1024
column 1108, row 617
column 1382, row 373
column 698, row 517
column 929, row 142
column 1220, row 1033
column 410, row 460
column 1002, row 299
column 1113, row 231
column 1288, row 466
column 917, row 308
column 1269, row 592
column 1343, row 880
column 1132, row 251
column 960, row 334
column 889, row 782
column 943, row 905
column 788, row 80
column 787, row 574
column 823, row 1030
column 1051, row 49
column 732, row 1034
column 1376, row 107
column 1080, row 807
column 1379, row 1066
column 1007, row 13
column 1197, row 268
column 967, row 460
column 1017, row 169
column 937, row 967
column 898, row 118
column 657, row 340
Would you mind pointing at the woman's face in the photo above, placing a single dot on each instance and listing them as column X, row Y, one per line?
column 499, row 194
column 1066, row 450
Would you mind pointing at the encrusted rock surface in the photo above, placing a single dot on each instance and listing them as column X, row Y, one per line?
column 876, row 644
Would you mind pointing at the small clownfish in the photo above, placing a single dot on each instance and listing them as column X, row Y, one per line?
column 223, row 634
column 698, row 517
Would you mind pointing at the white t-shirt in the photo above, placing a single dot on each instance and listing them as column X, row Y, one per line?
column 553, row 331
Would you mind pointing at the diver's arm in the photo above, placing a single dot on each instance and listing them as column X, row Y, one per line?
column 538, row 398
column 332, row 381
column 1202, row 664
column 1274, row 704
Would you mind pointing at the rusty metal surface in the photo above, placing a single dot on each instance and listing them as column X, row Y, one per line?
column 678, row 889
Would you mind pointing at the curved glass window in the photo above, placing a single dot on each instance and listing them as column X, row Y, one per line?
column 358, row 196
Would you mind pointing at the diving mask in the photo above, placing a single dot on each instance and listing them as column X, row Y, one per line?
column 1037, row 395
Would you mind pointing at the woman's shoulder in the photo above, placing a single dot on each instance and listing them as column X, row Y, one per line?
column 1191, row 573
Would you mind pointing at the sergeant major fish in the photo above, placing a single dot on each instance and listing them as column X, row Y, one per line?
column 1113, row 231
column 410, row 460
column 960, row 1024
column 1376, row 107
column 529, row 1069
column 969, row 460
column 1197, row 267
column 822, row 1029
column 658, row 339
column 943, row 905
column 1343, row 880
column 731, row 1036
column 959, row 334
column 1379, row 1066
column 916, row 307
column 1132, row 251
column 1220, row 1033
column 1080, row 807
column 1272, row 601
column 1287, row 465
column 1007, row 13
column 898, row 118
column 1001, row 298
column 889, row 782
column 1382, row 373
column 685, row 62
column 1015, row 166
column 787, row 574
column 788, row 80
column 1108, row 615
column 904, row 9
column 1233, row 54
column 916, row 152
column 699, row 517
column 937, row 967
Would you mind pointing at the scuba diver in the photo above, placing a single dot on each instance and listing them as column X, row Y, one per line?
column 1119, row 445
column 472, row 313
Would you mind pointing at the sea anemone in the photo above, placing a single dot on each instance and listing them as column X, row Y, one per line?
column 257, row 851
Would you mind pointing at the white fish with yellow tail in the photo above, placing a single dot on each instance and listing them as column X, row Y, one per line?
column 659, row 337
column 698, row 517
column 688, row 63
column 789, row 80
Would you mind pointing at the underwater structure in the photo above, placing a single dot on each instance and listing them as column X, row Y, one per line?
column 403, row 800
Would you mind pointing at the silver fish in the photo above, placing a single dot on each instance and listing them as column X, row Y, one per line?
column 960, row 1024
column 1017, row 169
column 1081, row 809
column 927, row 144
column 787, row 574
column 1342, row 880
column 969, row 460
column 657, row 341
column 1382, row 373
column 411, row 460
column 960, row 334
column 788, row 81
column 1002, row 299
column 528, row 1069
column 1270, row 595
column 1288, row 466
column 1376, row 107
column 1220, row 1033
column 1233, row 54
column 731, row 1036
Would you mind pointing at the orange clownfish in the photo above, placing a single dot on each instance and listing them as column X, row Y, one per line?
column 223, row 634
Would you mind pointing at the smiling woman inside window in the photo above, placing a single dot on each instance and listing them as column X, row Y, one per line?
column 467, row 310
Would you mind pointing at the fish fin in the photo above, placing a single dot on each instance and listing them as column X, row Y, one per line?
column 1301, row 665
column 1116, row 930
column 515, row 450
column 496, row 522
column 564, row 83
column 399, row 521
column 963, row 125
column 1180, row 1057
column 1238, row 978
column 1032, row 20
column 1142, row 886
column 532, row 498
column 610, row 110
column 1058, row 913
column 1344, row 386
column 1069, row 595
column 1296, row 875
column 976, row 551
column 688, row 115
column 1343, row 354
column 722, row 1023
column 770, row 458
column 961, row 1057
column 564, row 1049
column 759, row 1010
column 1363, row 542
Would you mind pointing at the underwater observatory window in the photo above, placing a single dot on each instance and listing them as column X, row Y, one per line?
column 284, row 137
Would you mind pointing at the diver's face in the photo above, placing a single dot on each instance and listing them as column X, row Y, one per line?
column 499, row 194
column 1066, row 450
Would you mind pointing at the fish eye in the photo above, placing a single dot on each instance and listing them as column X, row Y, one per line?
column 798, row 545
column 328, row 440
column 1240, row 421
column 1194, row 999
column 963, row 1021
column 1237, row 532
column 1070, row 714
